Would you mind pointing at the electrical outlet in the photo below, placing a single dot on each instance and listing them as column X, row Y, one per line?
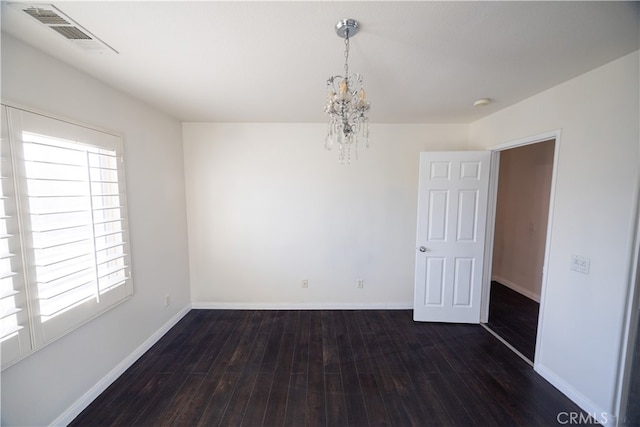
column 167, row 300
column 305, row 283
column 580, row 263
column 360, row 283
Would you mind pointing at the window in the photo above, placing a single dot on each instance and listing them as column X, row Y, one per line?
column 63, row 229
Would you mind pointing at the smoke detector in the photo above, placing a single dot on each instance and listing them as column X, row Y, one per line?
column 52, row 17
column 482, row 102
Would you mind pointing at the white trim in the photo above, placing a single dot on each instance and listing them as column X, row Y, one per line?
column 541, row 137
column 547, row 245
column 490, row 228
column 503, row 341
column 79, row 405
column 65, row 119
column 602, row 416
column 299, row 306
column 518, row 288
column 631, row 320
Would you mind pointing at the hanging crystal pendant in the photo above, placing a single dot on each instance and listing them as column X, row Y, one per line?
column 346, row 104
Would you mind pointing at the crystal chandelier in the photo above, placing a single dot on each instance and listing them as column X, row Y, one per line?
column 346, row 104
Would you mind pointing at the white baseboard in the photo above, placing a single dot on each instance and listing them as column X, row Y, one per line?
column 74, row 410
column 300, row 306
column 519, row 289
column 603, row 417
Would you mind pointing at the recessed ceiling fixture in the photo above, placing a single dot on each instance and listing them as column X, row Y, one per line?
column 52, row 17
column 346, row 103
column 482, row 102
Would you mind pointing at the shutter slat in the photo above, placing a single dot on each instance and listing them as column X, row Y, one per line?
column 61, row 244
column 59, row 258
column 113, row 283
column 69, row 227
column 109, row 246
column 8, row 293
column 54, row 180
column 104, row 273
column 59, row 212
column 35, row 140
column 109, row 233
column 9, row 331
column 7, row 275
column 108, row 207
column 9, row 312
column 104, row 260
column 57, row 196
column 106, row 195
column 45, row 162
column 107, row 221
column 72, row 298
column 63, row 278
column 55, row 291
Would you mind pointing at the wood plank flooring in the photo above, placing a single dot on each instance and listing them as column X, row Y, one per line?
column 326, row 368
column 514, row 317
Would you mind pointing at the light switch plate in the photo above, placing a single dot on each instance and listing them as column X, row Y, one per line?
column 580, row 263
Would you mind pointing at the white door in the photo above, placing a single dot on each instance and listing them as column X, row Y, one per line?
column 450, row 243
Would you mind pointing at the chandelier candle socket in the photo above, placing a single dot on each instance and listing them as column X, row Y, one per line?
column 346, row 104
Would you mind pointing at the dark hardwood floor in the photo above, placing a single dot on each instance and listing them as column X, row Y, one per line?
column 514, row 317
column 326, row 368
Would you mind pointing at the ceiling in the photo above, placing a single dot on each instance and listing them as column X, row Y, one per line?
column 422, row 62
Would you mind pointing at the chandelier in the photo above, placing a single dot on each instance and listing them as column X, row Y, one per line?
column 346, row 104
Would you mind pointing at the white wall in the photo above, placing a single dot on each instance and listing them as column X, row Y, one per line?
column 268, row 207
column 597, row 183
column 522, row 211
column 43, row 386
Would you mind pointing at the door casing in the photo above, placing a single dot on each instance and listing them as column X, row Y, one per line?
column 491, row 218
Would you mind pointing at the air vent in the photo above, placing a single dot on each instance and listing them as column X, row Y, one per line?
column 52, row 17
column 47, row 17
column 72, row 33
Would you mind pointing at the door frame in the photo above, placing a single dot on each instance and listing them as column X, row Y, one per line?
column 631, row 325
column 491, row 223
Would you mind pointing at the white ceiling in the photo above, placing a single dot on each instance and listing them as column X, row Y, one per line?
column 423, row 62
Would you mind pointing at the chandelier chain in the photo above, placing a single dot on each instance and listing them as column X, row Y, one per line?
column 346, row 54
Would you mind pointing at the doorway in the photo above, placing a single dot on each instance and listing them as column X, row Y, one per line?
column 523, row 194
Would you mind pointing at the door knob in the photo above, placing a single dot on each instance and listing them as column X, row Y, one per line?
column 423, row 249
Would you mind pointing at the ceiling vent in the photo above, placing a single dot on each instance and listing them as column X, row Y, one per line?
column 52, row 17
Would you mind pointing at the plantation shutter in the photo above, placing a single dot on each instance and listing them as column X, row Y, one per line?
column 73, row 221
column 15, row 339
